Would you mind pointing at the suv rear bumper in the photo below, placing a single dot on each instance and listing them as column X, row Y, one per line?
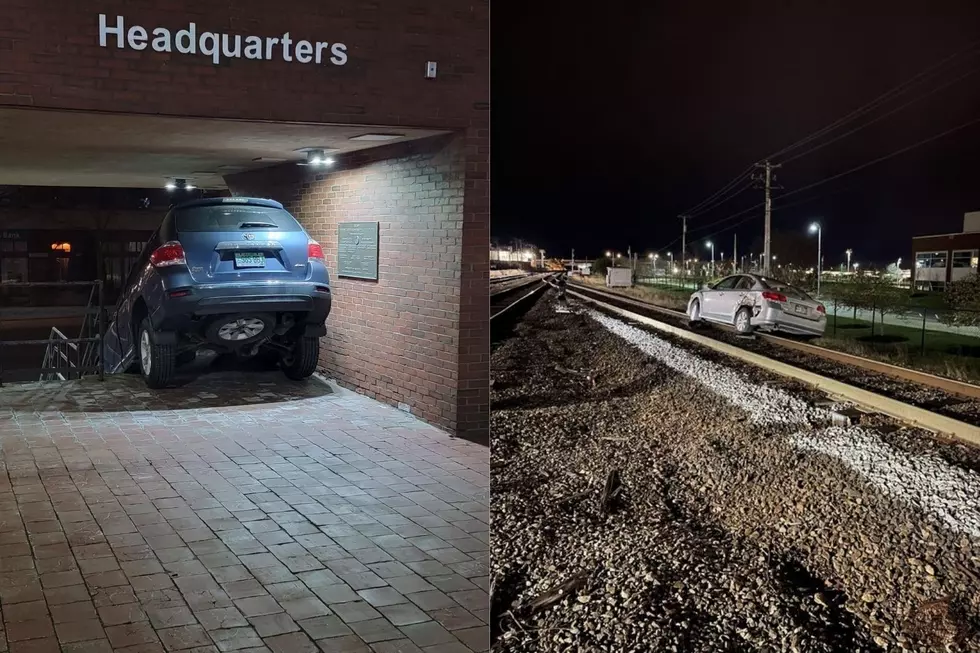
column 309, row 302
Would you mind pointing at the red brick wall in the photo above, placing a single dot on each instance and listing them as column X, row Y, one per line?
column 50, row 57
column 419, row 335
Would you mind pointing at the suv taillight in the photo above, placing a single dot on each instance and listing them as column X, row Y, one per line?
column 773, row 296
column 167, row 254
column 821, row 309
column 314, row 251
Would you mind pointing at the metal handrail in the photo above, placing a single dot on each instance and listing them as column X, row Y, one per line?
column 88, row 348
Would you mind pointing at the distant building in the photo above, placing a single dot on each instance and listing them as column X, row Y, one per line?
column 943, row 258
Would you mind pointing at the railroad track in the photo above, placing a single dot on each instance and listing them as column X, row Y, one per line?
column 510, row 285
column 509, row 304
column 939, row 404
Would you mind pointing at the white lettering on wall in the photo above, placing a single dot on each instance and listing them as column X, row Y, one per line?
column 216, row 45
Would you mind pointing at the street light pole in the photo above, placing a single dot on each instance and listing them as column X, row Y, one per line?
column 711, row 245
column 849, row 252
column 816, row 227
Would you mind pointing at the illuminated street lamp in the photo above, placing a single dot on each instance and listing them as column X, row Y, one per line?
column 849, row 252
column 816, row 228
column 710, row 245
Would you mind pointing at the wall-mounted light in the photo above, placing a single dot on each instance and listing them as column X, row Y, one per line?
column 317, row 158
column 178, row 184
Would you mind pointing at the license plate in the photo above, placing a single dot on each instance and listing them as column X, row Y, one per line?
column 249, row 260
column 801, row 309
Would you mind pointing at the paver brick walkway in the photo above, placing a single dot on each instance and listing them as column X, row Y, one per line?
column 238, row 512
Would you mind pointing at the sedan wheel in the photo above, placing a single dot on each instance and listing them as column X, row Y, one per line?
column 694, row 312
column 743, row 320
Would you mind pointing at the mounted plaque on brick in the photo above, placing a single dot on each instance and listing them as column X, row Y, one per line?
column 357, row 250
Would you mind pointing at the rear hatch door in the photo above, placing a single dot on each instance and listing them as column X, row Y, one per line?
column 242, row 242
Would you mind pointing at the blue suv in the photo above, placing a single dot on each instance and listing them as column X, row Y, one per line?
column 234, row 275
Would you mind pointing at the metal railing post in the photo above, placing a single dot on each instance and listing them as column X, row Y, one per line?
column 101, row 330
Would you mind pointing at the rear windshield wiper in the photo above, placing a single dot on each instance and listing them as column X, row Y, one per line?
column 253, row 225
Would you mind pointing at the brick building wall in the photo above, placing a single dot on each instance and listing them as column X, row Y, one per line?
column 52, row 59
column 418, row 336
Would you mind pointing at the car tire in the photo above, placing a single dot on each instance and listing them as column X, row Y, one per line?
column 156, row 361
column 302, row 364
column 743, row 321
column 242, row 329
column 694, row 313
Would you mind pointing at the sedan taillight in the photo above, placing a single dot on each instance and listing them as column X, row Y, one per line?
column 774, row 296
column 314, row 251
column 821, row 309
column 167, row 254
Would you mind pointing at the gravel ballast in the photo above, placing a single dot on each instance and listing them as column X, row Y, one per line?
column 683, row 501
column 930, row 398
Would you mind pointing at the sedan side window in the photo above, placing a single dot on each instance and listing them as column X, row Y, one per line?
column 726, row 284
column 745, row 283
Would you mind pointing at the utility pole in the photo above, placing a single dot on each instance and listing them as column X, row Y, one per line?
column 684, row 245
column 735, row 252
column 768, row 178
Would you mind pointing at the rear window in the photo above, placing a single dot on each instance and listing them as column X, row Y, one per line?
column 231, row 217
column 790, row 291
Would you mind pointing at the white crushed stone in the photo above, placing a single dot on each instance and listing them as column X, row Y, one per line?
column 923, row 480
column 764, row 404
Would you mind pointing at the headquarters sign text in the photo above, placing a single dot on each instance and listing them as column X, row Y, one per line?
column 218, row 46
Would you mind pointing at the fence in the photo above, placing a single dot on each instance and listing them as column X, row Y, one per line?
column 917, row 328
column 63, row 356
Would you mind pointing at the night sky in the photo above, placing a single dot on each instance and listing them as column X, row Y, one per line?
column 608, row 123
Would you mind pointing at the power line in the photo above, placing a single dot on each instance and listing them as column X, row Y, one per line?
column 894, row 92
column 882, row 116
column 721, row 201
column 869, row 106
column 884, row 158
column 734, row 182
column 774, row 209
column 842, row 174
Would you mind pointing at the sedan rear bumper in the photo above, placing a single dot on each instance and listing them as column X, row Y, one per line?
column 775, row 319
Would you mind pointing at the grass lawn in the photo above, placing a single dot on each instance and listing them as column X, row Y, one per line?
column 947, row 354
column 667, row 297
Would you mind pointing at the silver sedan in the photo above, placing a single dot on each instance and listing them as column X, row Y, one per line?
column 750, row 301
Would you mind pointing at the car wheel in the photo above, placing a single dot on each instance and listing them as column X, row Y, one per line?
column 156, row 361
column 743, row 320
column 694, row 312
column 301, row 364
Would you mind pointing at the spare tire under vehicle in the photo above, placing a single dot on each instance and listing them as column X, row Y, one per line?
column 233, row 331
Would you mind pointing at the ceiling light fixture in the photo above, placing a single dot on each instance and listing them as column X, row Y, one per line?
column 178, row 184
column 317, row 158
